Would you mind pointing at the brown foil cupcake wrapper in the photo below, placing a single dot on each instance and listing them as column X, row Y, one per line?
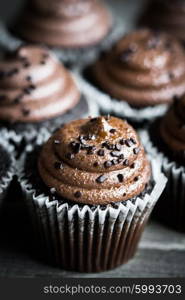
column 6, row 180
column 171, row 206
column 89, row 239
column 120, row 108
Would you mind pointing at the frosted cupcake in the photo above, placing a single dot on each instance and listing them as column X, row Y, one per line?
column 90, row 190
column 140, row 75
column 37, row 92
column 168, row 142
column 79, row 28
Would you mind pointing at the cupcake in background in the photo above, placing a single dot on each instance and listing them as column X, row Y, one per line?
column 166, row 15
column 140, row 75
column 37, row 92
column 7, row 166
column 78, row 29
column 64, row 23
column 90, row 190
column 168, row 141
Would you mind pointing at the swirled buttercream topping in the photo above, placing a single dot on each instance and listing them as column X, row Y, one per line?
column 34, row 86
column 172, row 129
column 95, row 161
column 144, row 68
column 65, row 23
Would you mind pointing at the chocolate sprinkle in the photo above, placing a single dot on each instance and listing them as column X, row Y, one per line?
column 58, row 165
column 132, row 166
column 120, row 177
column 133, row 141
column 91, row 149
column 108, row 164
column 101, row 179
column 115, row 154
column 136, row 150
column 75, row 147
column 112, row 130
column 42, row 62
column 29, row 78
column 12, row 72
column 101, row 152
column 25, row 111
column 26, row 64
column 115, row 162
column 122, row 142
column 118, row 147
column 136, row 178
column 128, row 142
column 78, row 194
column 126, row 162
column 171, row 75
column 17, row 99
column 70, row 156
column 126, row 54
column 121, row 156
column 96, row 164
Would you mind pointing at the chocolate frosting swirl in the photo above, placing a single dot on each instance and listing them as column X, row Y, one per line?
column 64, row 23
column 172, row 129
column 144, row 68
column 34, row 86
column 95, row 161
column 166, row 15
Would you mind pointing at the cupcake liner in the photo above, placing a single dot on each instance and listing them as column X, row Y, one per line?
column 22, row 134
column 85, row 238
column 121, row 108
column 7, row 179
column 171, row 206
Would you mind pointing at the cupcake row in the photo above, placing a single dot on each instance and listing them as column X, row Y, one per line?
column 135, row 77
column 89, row 189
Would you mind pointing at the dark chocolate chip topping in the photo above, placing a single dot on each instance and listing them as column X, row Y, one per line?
column 91, row 174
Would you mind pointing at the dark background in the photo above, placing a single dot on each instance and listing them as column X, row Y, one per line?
column 8, row 8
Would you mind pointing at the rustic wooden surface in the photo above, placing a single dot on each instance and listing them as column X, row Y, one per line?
column 161, row 252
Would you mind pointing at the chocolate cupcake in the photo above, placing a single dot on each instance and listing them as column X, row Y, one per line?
column 168, row 142
column 37, row 92
column 92, row 194
column 77, row 30
column 143, row 71
column 166, row 15
column 7, row 166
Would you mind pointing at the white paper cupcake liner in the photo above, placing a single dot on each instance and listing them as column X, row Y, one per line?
column 7, row 179
column 90, row 239
column 171, row 206
column 121, row 108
